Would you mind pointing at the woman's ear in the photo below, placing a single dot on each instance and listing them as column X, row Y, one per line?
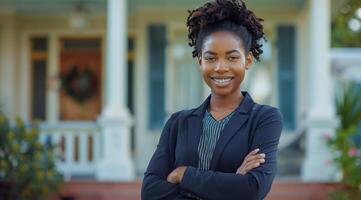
column 199, row 60
column 249, row 60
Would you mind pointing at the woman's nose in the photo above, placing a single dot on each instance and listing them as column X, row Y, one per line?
column 221, row 66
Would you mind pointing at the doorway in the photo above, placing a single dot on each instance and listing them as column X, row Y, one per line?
column 81, row 78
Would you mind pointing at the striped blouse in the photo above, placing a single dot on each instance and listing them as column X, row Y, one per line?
column 211, row 131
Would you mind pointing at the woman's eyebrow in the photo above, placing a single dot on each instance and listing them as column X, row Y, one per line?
column 210, row 52
column 232, row 51
column 228, row 52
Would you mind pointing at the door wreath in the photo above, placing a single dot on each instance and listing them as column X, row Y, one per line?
column 79, row 84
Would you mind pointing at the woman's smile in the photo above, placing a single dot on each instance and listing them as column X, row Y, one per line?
column 222, row 81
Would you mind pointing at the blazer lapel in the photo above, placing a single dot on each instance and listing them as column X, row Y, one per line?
column 231, row 128
column 194, row 131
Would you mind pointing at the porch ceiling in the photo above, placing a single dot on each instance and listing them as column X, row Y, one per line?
column 260, row 4
column 61, row 7
column 51, row 7
column 98, row 7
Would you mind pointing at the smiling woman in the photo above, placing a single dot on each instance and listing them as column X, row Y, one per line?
column 226, row 148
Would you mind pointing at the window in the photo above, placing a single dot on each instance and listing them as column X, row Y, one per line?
column 39, row 65
column 156, row 75
column 286, row 74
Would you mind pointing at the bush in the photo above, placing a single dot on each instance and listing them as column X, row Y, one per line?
column 345, row 152
column 26, row 165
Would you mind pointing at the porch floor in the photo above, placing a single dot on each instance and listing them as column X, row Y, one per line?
column 92, row 190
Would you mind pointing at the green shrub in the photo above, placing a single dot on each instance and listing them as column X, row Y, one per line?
column 25, row 164
column 345, row 152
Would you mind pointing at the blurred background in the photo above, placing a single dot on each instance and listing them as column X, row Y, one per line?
column 100, row 77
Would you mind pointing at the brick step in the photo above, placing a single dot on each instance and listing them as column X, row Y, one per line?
column 92, row 190
column 284, row 190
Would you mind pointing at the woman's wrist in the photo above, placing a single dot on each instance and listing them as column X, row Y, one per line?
column 176, row 175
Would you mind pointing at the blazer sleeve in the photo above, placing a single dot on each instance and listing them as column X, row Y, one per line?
column 155, row 185
column 255, row 184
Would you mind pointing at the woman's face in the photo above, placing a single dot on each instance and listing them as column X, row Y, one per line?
column 223, row 62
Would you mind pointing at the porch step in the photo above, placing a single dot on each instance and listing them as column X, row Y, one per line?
column 92, row 190
column 285, row 190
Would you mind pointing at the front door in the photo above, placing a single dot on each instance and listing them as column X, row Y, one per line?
column 80, row 72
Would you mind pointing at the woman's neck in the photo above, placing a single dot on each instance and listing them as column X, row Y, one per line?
column 225, row 103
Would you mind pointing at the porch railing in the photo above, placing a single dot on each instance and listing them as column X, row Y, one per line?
column 77, row 146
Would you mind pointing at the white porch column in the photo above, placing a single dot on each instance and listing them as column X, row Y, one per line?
column 321, row 118
column 116, row 163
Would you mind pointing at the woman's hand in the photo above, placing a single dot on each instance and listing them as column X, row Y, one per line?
column 251, row 161
column 176, row 175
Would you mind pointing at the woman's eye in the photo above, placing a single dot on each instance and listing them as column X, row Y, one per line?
column 210, row 58
column 233, row 58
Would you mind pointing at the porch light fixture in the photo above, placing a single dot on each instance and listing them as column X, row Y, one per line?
column 78, row 17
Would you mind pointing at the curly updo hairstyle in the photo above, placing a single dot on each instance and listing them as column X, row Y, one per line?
column 228, row 15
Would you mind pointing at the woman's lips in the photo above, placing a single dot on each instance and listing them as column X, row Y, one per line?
column 222, row 82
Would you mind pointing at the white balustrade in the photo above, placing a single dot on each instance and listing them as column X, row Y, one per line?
column 77, row 147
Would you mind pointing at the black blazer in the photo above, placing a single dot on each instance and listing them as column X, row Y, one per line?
column 252, row 126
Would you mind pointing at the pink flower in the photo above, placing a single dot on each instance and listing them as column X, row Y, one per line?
column 328, row 162
column 352, row 152
column 326, row 136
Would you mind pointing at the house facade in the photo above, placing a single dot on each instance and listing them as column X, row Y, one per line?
column 103, row 76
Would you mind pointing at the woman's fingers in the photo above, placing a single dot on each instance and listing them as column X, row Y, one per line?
column 250, row 165
column 251, row 161
column 254, row 152
column 255, row 157
column 254, row 164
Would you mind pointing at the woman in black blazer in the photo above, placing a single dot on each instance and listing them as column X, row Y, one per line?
column 226, row 148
